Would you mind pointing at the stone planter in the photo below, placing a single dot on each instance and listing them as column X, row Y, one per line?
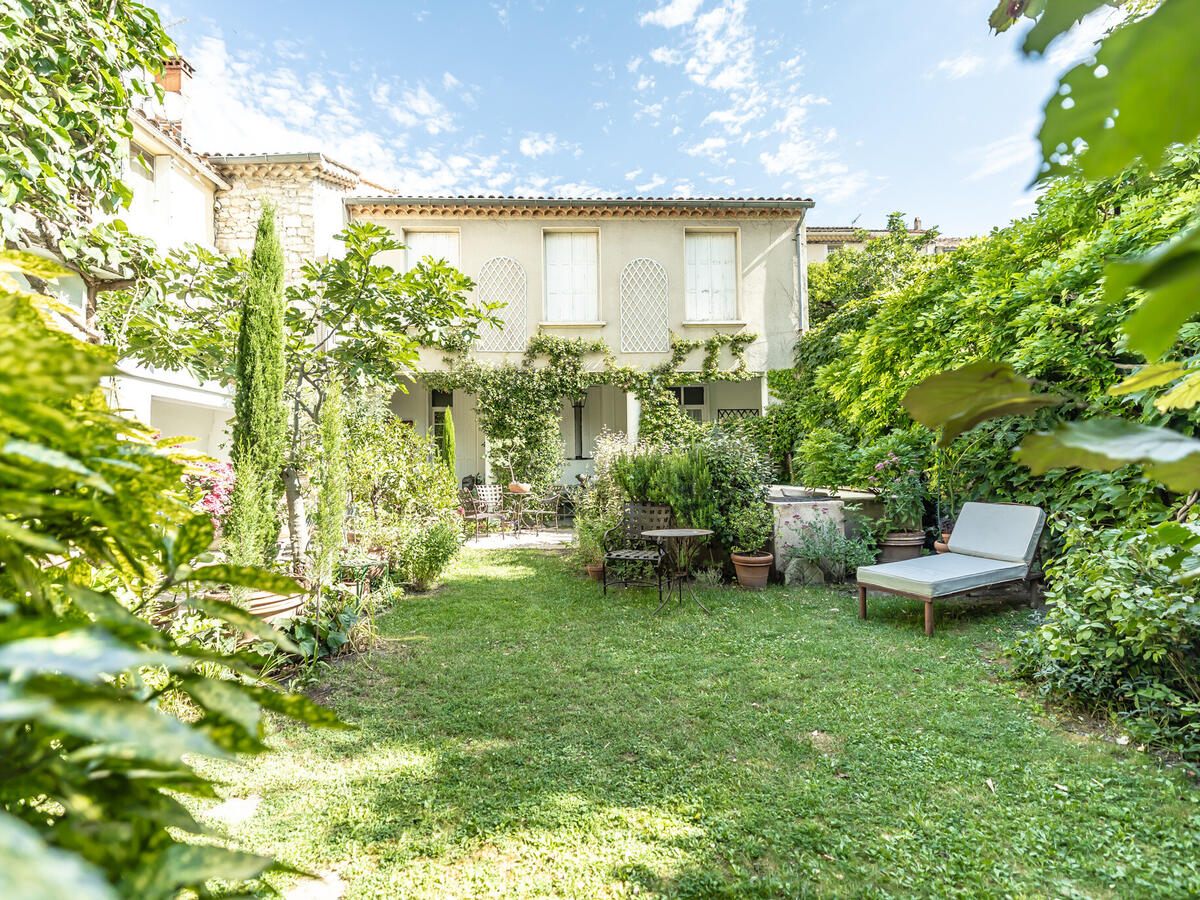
column 898, row 545
column 791, row 514
column 752, row 569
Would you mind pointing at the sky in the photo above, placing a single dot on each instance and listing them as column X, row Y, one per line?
column 865, row 106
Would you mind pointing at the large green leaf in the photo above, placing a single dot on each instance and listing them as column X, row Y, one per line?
column 1059, row 16
column 1149, row 377
column 32, row 870
column 191, row 539
column 85, row 655
column 296, row 706
column 959, row 399
column 1135, row 99
column 1107, row 444
column 230, row 699
column 187, row 865
column 116, row 728
column 32, row 264
column 108, row 611
column 1170, row 275
column 241, row 576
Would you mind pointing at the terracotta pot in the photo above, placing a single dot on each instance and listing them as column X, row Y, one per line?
column 752, row 569
column 943, row 546
column 595, row 571
column 519, row 487
column 898, row 545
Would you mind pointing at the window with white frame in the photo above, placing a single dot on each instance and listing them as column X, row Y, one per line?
column 711, row 276
column 572, row 282
column 433, row 244
column 439, row 402
column 691, row 398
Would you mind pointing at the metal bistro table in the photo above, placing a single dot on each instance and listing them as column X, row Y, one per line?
column 676, row 540
column 519, row 499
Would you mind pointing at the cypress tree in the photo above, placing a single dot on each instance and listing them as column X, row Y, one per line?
column 448, row 449
column 260, row 423
column 331, row 498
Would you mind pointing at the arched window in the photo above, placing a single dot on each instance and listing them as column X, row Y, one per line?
column 644, row 322
column 503, row 280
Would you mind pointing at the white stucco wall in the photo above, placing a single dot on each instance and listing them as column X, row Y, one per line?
column 767, row 302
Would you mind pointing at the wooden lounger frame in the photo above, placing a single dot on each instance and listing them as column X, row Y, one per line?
column 1028, row 580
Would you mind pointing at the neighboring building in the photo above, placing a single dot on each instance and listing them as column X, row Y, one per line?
column 825, row 240
column 629, row 271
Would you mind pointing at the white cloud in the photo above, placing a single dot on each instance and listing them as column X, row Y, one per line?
column 534, row 145
column 632, row 65
column 629, row 176
column 711, row 147
column 672, row 14
column 645, row 82
column 1019, row 150
column 683, row 189
column 666, row 56
column 959, row 66
column 416, row 107
column 656, row 181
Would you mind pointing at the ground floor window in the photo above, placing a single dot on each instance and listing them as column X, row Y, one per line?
column 440, row 401
column 693, row 400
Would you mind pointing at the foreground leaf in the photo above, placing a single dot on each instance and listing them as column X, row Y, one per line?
column 32, row 870
column 242, row 576
column 1135, row 99
column 85, row 655
column 959, row 399
column 1059, row 17
column 242, row 619
column 186, row 865
column 1109, row 444
column 1170, row 275
column 1149, row 377
column 296, row 706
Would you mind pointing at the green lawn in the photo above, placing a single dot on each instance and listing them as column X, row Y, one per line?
column 528, row 737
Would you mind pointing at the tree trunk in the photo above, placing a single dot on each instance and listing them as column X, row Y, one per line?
column 297, row 519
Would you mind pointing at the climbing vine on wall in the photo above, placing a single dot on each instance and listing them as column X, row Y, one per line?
column 518, row 405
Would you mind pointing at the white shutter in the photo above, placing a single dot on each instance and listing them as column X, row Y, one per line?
column 432, row 244
column 711, row 277
column 571, row 279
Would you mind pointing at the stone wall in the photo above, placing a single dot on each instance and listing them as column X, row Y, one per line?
column 300, row 199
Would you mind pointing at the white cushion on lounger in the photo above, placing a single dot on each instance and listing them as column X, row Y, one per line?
column 937, row 576
column 1005, row 531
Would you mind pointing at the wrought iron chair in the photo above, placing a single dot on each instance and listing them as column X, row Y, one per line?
column 628, row 555
column 487, row 506
column 546, row 508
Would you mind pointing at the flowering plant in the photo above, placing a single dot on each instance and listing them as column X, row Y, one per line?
column 210, row 488
column 902, row 491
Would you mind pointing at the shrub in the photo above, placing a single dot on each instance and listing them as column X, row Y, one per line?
column 750, row 528
column 96, row 529
column 824, row 460
column 599, row 501
column 821, row 543
column 1120, row 635
column 424, row 549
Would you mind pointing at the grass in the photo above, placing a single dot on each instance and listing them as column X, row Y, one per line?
column 527, row 737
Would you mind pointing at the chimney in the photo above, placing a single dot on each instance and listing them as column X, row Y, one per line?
column 175, row 80
column 917, row 223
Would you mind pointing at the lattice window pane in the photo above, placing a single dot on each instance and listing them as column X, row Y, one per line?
column 645, row 327
column 503, row 280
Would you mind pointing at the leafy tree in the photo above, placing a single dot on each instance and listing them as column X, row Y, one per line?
column 885, row 262
column 349, row 319
column 70, row 70
column 97, row 539
column 259, row 429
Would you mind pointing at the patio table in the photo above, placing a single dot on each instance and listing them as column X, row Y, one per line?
column 519, row 499
column 676, row 540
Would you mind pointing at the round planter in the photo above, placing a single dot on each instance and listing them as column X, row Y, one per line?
column 898, row 545
column 595, row 571
column 943, row 546
column 752, row 570
column 519, row 487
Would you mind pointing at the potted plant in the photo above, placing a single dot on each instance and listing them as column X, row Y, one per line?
column 750, row 529
column 946, row 524
column 903, row 494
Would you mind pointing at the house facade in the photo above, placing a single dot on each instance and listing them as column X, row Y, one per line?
column 826, row 240
column 630, row 272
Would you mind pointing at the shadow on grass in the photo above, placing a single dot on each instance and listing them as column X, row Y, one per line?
column 538, row 738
